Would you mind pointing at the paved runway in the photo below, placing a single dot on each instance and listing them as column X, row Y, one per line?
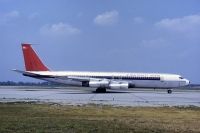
column 74, row 96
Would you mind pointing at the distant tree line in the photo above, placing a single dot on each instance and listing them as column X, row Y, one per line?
column 12, row 83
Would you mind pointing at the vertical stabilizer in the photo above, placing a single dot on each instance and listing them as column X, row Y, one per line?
column 31, row 59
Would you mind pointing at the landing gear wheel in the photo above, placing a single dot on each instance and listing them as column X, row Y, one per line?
column 169, row 91
column 101, row 90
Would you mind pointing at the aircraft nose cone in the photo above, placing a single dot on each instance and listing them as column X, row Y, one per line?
column 187, row 82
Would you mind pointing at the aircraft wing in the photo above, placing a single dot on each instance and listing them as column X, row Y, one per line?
column 84, row 78
column 36, row 75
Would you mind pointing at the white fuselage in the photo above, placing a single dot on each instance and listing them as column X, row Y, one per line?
column 100, row 80
column 113, row 80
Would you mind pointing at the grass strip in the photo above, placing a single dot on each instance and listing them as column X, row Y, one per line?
column 24, row 117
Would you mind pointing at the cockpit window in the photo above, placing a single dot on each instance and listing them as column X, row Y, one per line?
column 181, row 78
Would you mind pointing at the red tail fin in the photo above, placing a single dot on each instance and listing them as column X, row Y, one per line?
column 31, row 59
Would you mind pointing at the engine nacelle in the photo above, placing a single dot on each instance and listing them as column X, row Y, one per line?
column 99, row 84
column 107, row 84
column 118, row 86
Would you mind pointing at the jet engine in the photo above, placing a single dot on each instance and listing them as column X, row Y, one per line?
column 96, row 84
column 107, row 84
column 99, row 84
column 118, row 86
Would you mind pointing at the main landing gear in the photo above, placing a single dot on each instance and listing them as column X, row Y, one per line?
column 169, row 91
column 101, row 90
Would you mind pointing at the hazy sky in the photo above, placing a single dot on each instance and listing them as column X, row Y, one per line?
column 102, row 35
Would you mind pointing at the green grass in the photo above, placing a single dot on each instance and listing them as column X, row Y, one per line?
column 22, row 117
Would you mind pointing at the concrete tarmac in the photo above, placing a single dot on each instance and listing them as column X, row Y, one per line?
column 81, row 96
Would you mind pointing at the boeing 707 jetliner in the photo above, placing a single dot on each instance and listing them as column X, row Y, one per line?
column 98, row 80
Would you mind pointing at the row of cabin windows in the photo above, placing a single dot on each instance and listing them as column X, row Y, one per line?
column 123, row 77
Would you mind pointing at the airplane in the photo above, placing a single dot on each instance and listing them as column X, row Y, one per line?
column 101, row 81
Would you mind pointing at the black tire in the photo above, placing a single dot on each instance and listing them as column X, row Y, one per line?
column 169, row 91
column 101, row 90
